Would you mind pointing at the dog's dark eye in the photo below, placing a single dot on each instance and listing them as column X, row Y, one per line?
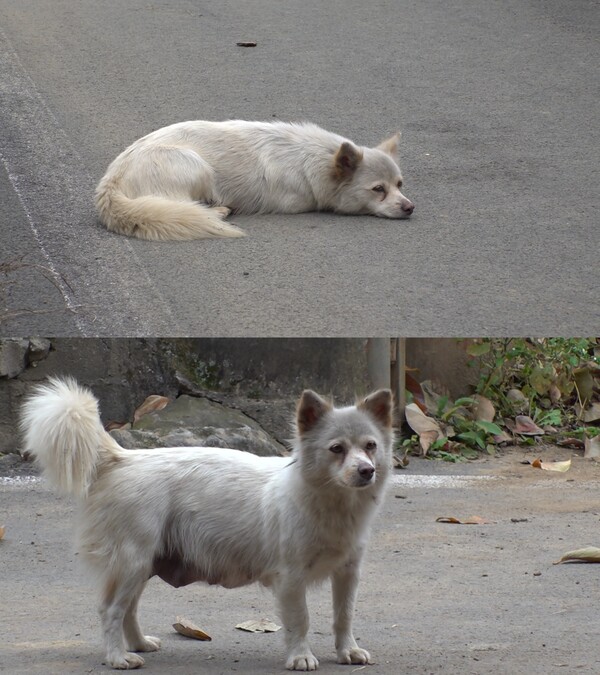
column 378, row 188
column 399, row 184
column 337, row 448
column 371, row 445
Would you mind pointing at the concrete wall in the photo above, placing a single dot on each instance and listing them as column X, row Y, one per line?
column 442, row 360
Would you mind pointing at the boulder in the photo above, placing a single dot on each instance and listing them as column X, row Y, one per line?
column 13, row 357
column 190, row 421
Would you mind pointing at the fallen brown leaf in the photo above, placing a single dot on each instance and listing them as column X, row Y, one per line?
column 400, row 462
column 555, row 393
column 426, row 439
column 112, row 425
column 589, row 554
column 472, row 520
column 504, row 437
column 518, row 398
column 591, row 413
column 552, row 466
column 2, row 531
column 483, row 410
column 415, row 389
column 151, row 404
column 187, row 628
column 258, row 626
column 525, row 426
column 570, row 443
column 426, row 428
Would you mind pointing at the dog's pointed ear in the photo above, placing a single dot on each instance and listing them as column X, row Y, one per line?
column 391, row 146
column 379, row 405
column 311, row 408
column 346, row 160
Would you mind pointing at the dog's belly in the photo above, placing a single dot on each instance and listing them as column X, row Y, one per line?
column 176, row 572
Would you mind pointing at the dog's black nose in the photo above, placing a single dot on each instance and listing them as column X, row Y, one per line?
column 408, row 207
column 366, row 471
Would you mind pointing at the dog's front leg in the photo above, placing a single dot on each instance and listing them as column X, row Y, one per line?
column 291, row 595
column 344, row 585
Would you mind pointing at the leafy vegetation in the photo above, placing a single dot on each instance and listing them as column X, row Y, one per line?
column 526, row 388
column 547, row 371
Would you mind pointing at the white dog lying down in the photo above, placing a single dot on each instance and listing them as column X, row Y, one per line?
column 220, row 516
column 181, row 181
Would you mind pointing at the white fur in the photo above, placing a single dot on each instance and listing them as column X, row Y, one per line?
column 222, row 516
column 181, row 181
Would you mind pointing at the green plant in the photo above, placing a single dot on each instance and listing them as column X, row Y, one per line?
column 540, row 378
column 543, row 369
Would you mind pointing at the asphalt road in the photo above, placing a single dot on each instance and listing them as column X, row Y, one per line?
column 497, row 102
column 434, row 597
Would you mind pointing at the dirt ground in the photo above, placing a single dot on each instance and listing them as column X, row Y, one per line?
column 435, row 597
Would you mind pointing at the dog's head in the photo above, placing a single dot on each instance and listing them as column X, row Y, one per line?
column 346, row 447
column 370, row 181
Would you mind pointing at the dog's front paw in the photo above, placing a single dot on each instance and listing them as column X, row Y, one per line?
column 124, row 661
column 148, row 644
column 353, row 655
column 307, row 661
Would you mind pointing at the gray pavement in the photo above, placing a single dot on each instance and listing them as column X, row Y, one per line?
column 435, row 598
column 498, row 103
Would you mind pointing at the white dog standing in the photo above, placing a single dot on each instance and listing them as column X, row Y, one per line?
column 180, row 182
column 220, row 516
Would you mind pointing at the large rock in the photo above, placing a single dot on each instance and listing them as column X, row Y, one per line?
column 190, row 421
column 13, row 357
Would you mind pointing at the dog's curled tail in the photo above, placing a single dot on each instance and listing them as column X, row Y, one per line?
column 62, row 429
column 160, row 218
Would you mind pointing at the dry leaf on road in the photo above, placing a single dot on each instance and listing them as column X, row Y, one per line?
column 471, row 520
column 258, row 626
column 562, row 466
column 589, row 554
column 187, row 628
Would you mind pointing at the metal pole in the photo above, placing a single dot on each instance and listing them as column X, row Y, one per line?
column 378, row 363
column 399, row 377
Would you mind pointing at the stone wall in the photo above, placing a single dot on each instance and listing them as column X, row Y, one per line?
column 261, row 377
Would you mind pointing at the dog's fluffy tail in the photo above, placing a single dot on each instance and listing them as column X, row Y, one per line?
column 62, row 430
column 159, row 218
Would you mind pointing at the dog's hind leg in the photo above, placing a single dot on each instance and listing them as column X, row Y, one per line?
column 344, row 585
column 134, row 638
column 120, row 593
column 291, row 595
column 172, row 172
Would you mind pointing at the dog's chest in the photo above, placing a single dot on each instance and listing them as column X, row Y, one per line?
column 332, row 544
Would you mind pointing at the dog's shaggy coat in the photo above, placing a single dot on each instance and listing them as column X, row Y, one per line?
column 220, row 516
column 180, row 182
